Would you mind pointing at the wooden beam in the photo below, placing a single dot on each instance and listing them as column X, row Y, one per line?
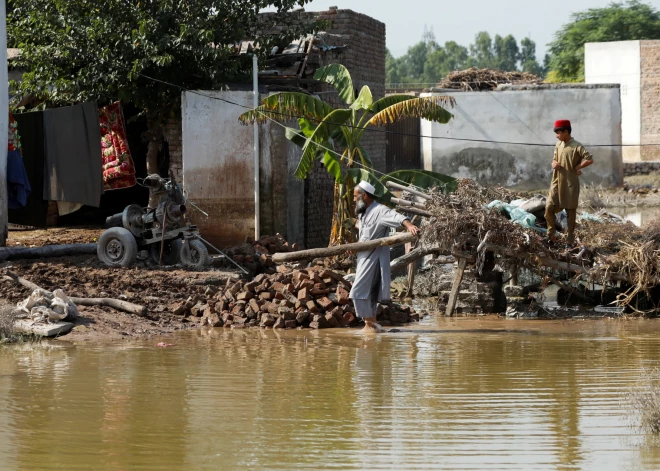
column 402, row 202
column 456, row 287
column 413, row 255
column 398, row 239
column 420, row 212
column 397, row 187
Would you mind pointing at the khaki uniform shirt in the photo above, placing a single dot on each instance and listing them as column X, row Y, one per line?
column 565, row 187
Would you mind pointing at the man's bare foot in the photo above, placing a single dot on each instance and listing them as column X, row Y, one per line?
column 372, row 327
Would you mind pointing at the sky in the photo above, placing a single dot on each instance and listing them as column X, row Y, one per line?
column 460, row 21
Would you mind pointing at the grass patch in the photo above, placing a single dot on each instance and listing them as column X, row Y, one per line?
column 644, row 402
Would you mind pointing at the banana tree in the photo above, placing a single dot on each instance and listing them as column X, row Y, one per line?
column 333, row 136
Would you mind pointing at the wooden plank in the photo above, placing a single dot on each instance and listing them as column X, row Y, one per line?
column 420, row 212
column 43, row 330
column 456, row 287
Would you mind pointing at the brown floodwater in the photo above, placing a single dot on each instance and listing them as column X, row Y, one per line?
column 447, row 394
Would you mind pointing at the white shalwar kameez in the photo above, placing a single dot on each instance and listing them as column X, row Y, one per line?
column 372, row 279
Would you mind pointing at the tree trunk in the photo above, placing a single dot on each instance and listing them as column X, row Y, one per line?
column 398, row 239
column 155, row 138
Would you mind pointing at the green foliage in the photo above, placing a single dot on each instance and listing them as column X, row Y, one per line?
column 427, row 62
column 77, row 50
column 616, row 22
column 338, row 76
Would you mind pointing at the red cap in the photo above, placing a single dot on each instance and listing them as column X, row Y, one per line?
column 562, row 123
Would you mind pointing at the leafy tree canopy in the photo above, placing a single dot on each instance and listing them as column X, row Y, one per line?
column 428, row 62
column 616, row 22
column 77, row 50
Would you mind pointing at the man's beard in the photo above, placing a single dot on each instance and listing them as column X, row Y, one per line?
column 360, row 207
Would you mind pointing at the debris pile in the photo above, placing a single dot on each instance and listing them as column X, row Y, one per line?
column 44, row 307
column 314, row 298
column 256, row 256
column 473, row 79
column 611, row 253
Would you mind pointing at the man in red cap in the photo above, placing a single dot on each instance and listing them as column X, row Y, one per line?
column 569, row 160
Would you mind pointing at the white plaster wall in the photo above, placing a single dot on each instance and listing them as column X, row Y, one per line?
column 218, row 164
column 525, row 116
column 4, row 124
column 619, row 62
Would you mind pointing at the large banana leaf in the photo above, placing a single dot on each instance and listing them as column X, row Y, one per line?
column 386, row 102
column 364, row 100
column 332, row 165
column 320, row 137
column 287, row 106
column 339, row 77
column 430, row 108
column 422, row 179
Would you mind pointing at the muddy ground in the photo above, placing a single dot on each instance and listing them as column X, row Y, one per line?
column 157, row 288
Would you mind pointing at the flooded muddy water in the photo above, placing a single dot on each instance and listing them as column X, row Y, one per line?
column 447, row 394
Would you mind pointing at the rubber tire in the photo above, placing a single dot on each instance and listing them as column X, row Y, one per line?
column 171, row 252
column 121, row 239
column 199, row 254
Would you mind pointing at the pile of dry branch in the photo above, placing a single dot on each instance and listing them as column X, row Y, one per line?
column 609, row 253
column 485, row 79
column 313, row 297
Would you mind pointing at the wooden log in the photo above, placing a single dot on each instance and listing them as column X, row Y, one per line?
column 411, row 271
column 413, row 255
column 397, row 187
column 117, row 304
column 113, row 303
column 456, row 287
column 402, row 202
column 420, row 212
column 398, row 239
column 17, row 253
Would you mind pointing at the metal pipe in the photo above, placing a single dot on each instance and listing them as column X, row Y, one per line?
column 255, row 103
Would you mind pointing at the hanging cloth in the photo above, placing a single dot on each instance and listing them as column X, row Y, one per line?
column 35, row 211
column 73, row 155
column 118, row 166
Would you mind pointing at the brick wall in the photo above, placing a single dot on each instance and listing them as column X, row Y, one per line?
column 365, row 59
column 172, row 135
column 640, row 168
column 650, row 96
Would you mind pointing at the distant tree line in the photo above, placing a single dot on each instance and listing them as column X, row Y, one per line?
column 428, row 62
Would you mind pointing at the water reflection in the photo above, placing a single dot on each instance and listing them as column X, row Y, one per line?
column 528, row 398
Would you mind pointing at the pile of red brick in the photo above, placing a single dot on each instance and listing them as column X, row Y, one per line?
column 313, row 298
column 255, row 256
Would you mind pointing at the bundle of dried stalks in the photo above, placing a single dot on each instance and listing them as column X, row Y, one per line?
column 485, row 79
column 460, row 220
column 460, row 217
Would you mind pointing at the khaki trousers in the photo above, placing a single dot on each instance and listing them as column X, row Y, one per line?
column 550, row 211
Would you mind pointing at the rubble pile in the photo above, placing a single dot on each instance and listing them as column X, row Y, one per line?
column 256, row 256
column 45, row 307
column 313, row 298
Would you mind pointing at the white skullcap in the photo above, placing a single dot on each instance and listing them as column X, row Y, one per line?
column 368, row 187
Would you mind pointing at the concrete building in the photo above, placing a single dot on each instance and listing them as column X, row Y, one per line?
column 505, row 137
column 211, row 153
column 635, row 66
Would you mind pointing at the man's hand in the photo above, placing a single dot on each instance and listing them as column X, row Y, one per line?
column 413, row 229
column 579, row 172
column 555, row 165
